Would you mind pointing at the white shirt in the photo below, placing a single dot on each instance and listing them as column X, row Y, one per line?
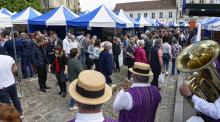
column 96, row 52
column 6, row 76
column 95, row 117
column 182, row 37
column 210, row 109
column 91, row 51
column 123, row 100
column 166, row 48
column 68, row 45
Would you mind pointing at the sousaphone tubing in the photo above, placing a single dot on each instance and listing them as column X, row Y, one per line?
column 199, row 57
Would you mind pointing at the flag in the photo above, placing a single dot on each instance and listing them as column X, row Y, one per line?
column 184, row 6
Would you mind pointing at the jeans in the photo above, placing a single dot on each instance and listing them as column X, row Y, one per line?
column 10, row 93
column 130, row 64
column 42, row 76
column 24, row 68
column 174, row 67
column 62, row 85
column 166, row 58
column 27, row 67
column 72, row 102
column 116, row 62
column 96, row 61
column 108, row 79
column 4, row 97
column 82, row 57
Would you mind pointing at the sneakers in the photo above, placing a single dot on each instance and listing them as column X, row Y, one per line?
column 73, row 108
column 22, row 116
column 166, row 73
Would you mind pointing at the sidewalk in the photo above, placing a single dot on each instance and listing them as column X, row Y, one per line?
column 183, row 110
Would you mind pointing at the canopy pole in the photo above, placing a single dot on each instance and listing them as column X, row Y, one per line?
column 66, row 30
column 28, row 27
column 18, row 62
column 115, row 31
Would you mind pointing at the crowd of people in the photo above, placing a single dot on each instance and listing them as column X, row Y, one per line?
column 88, row 62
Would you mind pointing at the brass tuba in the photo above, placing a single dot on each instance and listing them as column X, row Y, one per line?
column 199, row 57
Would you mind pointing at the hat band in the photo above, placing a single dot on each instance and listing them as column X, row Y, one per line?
column 89, row 94
column 142, row 71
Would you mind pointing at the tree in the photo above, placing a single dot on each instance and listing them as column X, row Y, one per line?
column 18, row 5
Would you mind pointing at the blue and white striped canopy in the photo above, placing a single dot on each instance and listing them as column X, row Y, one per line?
column 173, row 24
column 25, row 15
column 84, row 13
column 6, row 12
column 214, row 24
column 142, row 22
column 183, row 24
column 159, row 23
column 210, row 21
column 125, row 18
column 100, row 17
column 57, row 17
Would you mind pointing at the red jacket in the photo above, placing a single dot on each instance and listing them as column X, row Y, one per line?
column 140, row 55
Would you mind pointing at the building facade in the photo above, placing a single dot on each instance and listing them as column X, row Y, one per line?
column 50, row 4
column 186, row 18
column 163, row 10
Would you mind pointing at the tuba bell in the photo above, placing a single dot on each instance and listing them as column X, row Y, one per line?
column 199, row 57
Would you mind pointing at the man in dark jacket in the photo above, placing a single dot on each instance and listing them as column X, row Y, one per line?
column 116, row 52
column 27, row 55
column 105, row 62
column 41, row 62
column 9, row 46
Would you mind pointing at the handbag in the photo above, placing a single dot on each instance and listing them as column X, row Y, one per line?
column 161, row 78
column 63, row 78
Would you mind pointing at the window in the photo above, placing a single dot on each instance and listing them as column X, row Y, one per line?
column 181, row 14
column 131, row 15
column 170, row 15
column 201, row 1
column 153, row 15
column 161, row 14
column 145, row 14
column 139, row 14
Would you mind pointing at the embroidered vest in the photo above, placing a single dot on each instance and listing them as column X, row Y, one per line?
column 106, row 120
column 145, row 103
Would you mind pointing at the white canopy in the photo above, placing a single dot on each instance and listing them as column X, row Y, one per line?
column 5, row 21
column 125, row 18
column 25, row 15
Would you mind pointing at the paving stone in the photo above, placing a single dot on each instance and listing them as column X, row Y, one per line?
column 50, row 107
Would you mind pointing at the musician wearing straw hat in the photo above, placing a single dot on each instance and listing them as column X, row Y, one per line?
column 90, row 91
column 140, row 102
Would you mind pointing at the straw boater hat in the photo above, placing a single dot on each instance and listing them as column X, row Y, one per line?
column 90, row 88
column 141, row 69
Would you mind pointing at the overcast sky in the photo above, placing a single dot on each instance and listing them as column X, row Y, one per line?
column 92, row 4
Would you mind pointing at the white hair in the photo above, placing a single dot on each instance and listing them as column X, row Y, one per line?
column 107, row 44
column 140, row 42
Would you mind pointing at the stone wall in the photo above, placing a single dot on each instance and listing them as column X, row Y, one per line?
column 55, row 3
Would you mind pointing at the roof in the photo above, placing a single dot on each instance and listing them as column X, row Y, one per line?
column 146, row 5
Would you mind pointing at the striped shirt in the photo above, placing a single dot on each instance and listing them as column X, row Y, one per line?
column 144, row 106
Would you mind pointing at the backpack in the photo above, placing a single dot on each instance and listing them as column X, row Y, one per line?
column 176, row 51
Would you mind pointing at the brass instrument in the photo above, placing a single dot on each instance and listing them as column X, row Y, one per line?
column 126, row 84
column 199, row 57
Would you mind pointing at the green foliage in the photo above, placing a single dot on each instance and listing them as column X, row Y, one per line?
column 18, row 5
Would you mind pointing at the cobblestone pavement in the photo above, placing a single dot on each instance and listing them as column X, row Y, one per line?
column 50, row 107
